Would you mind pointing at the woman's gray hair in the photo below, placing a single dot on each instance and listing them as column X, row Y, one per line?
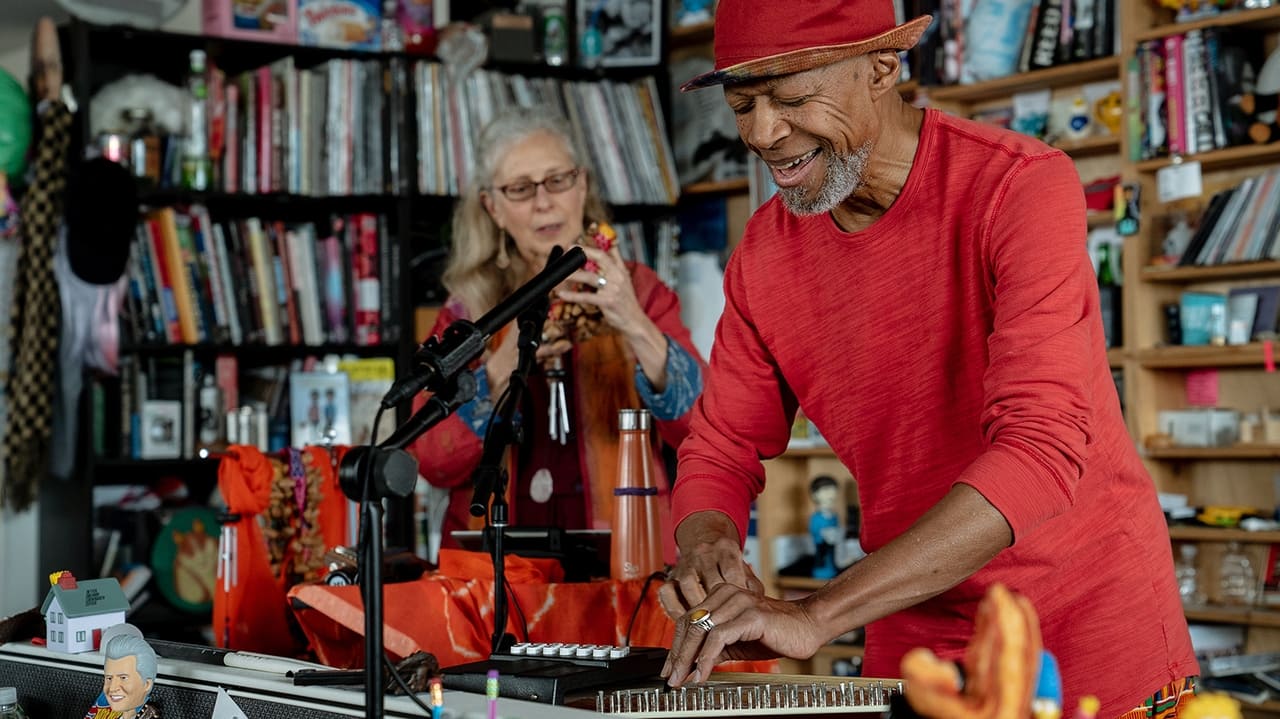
column 127, row 645
column 472, row 274
column 509, row 128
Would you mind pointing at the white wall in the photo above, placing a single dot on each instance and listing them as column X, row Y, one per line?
column 15, row 42
column 18, row 562
column 17, row 61
column 22, row 582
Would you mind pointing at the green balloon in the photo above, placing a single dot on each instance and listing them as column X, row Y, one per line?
column 15, row 126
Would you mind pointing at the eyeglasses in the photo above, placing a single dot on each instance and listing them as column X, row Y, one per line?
column 556, row 183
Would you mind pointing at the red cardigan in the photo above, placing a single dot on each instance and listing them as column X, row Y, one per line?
column 450, row 451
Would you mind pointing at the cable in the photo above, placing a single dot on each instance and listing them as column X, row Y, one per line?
column 395, row 674
column 524, row 624
column 640, row 602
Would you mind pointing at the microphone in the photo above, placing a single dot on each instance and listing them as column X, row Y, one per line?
column 440, row 359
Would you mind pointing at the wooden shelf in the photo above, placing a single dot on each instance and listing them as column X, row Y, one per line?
column 809, row 583
column 695, row 34
column 1240, row 451
column 259, row 352
column 839, row 651
column 1116, row 357
column 1251, row 616
column 909, row 87
column 1089, row 146
column 1103, row 68
column 1225, row 158
column 716, row 187
column 1265, row 18
column 1099, row 218
column 1249, row 355
column 819, row 451
column 1233, row 271
column 1220, row 534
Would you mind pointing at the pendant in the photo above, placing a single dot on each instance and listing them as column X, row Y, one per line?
column 540, row 486
column 558, row 407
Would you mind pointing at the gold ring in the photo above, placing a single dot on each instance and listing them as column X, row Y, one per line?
column 701, row 618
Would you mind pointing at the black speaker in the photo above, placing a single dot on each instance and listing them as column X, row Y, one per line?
column 1173, row 323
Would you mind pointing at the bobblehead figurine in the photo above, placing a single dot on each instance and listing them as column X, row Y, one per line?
column 824, row 526
column 128, row 676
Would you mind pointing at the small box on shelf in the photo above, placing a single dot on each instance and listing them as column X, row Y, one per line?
column 1205, row 427
column 264, row 20
column 347, row 24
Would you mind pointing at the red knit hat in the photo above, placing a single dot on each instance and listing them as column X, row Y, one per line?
column 767, row 38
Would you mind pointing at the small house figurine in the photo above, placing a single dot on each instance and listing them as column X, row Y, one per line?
column 75, row 613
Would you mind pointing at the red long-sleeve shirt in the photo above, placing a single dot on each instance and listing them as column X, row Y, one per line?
column 957, row 339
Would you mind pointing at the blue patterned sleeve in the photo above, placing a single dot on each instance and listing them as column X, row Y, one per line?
column 684, row 384
column 476, row 412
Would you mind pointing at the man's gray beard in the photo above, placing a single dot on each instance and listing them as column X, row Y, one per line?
column 844, row 176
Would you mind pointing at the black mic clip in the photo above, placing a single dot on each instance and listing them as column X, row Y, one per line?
column 438, row 360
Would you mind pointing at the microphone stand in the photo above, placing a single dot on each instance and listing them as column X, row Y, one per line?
column 370, row 473
column 490, row 477
column 367, row 475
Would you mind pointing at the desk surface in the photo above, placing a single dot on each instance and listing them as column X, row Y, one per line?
column 55, row 684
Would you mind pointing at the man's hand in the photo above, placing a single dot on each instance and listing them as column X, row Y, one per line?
column 745, row 625
column 710, row 554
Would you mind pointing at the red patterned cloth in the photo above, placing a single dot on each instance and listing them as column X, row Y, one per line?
column 449, row 612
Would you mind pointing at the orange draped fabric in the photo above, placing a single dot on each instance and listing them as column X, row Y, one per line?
column 249, row 610
column 449, row 612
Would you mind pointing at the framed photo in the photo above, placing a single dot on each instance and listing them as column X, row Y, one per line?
column 319, row 409
column 161, row 429
column 629, row 31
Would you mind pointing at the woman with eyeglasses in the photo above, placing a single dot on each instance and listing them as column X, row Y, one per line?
column 530, row 192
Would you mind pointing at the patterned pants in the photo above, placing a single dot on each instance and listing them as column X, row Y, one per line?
column 1166, row 703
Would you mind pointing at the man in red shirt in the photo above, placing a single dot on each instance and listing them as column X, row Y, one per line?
column 920, row 287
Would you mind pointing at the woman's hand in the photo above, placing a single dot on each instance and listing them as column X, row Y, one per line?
column 609, row 288
column 615, row 297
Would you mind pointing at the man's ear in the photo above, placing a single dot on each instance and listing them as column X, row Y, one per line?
column 884, row 67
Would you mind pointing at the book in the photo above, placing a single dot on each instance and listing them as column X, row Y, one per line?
column 369, row 379
column 1157, row 119
column 1044, row 50
column 1175, row 95
column 319, row 409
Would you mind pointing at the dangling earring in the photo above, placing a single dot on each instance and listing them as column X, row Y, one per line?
column 503, row 260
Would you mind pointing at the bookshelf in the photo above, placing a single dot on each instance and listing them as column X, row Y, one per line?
column 1079, row 73
column 412, row 220
column 1156, row 372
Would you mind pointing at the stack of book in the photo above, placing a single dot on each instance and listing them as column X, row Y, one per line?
column 192, row 281
column 618, row 124
column 1189, row 88
column 1241, row 224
